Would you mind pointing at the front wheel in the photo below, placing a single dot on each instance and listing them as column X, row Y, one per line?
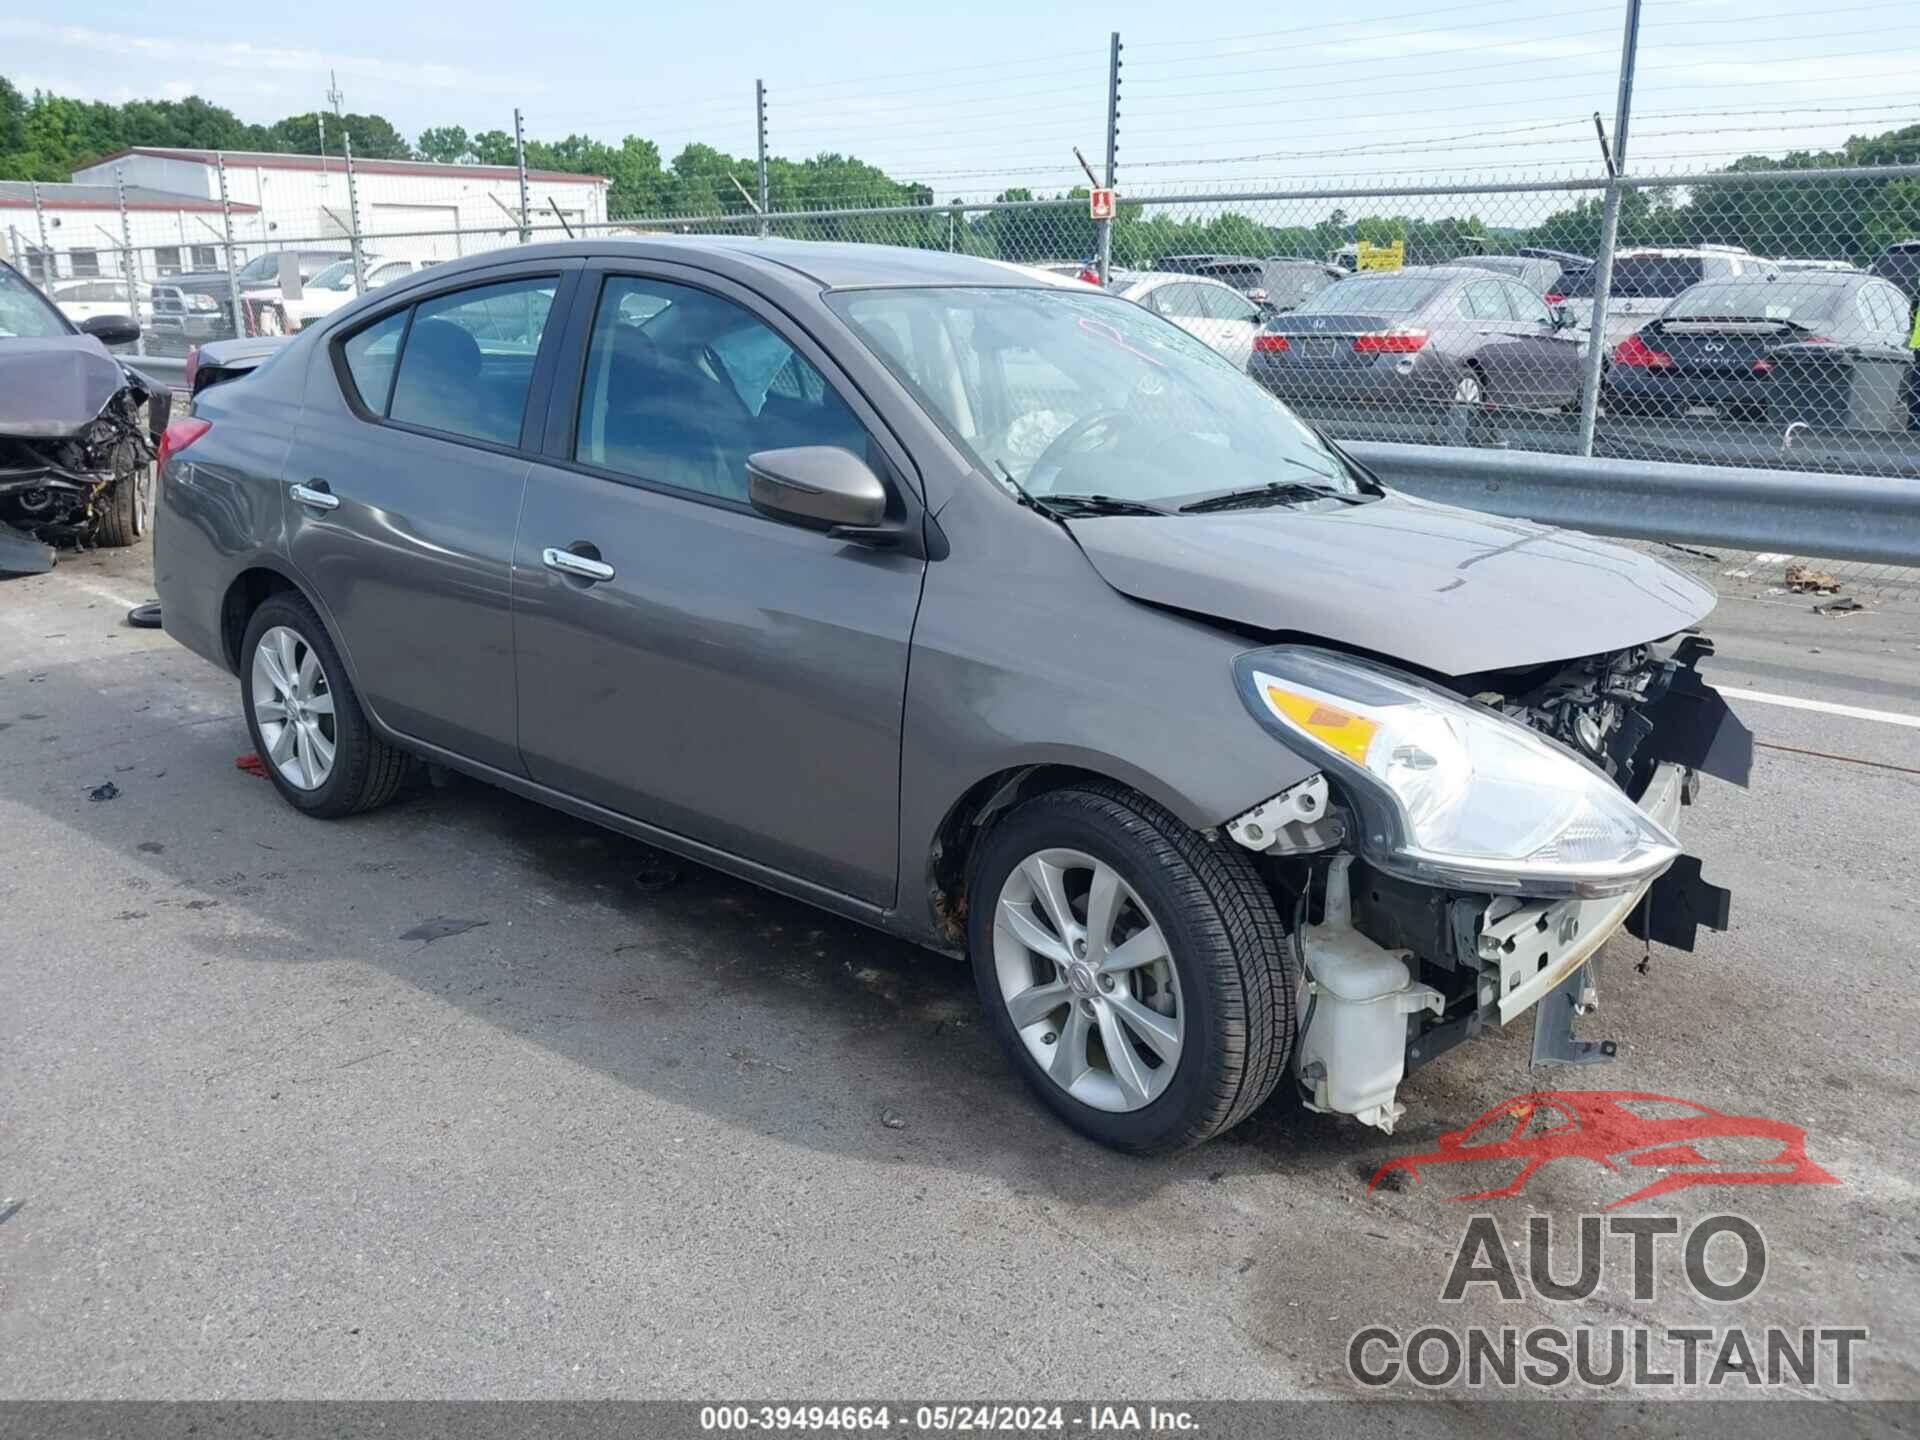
column 1136, row 976
column 127, row 511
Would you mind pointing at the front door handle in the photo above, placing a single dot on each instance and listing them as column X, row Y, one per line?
column 321, row 499
column 579, row 566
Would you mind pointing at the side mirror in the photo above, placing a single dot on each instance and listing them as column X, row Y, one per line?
column 112, row 329
column 821, row 486
column 1561, row 316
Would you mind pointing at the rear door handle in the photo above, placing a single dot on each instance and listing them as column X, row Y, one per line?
column 568, row 563
column 321, row 499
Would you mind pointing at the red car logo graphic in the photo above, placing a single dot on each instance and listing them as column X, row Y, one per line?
column 1617, row 1128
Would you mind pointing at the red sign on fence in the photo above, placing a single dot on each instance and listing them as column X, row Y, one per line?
column 1100, row 203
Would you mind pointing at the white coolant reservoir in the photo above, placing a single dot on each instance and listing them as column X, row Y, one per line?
column 1354, row 1052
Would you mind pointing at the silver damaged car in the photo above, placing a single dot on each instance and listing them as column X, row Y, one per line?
column 999, row 615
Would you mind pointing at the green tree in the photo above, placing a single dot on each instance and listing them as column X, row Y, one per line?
column 448, row 144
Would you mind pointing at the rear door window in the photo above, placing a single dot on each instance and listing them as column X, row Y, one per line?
column 1485, row 300
column 468, row 360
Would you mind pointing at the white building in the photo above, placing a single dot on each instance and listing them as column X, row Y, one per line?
column 83, row 237
column 411, row 209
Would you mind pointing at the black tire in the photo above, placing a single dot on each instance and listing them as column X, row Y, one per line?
column 127, row 512
column 366, row 770
column 1235, row 969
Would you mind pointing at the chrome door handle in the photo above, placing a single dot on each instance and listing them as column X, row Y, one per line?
column 319, row 499
column 568, row 563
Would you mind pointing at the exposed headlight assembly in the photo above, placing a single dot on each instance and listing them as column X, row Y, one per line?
column 1451, row 793
column 201, row 302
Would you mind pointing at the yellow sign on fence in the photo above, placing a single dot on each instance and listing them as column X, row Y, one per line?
column 1380, row 257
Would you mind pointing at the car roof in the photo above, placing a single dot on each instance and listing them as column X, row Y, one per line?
column 1790, row 279
column 833, row 264
column 1152, row 278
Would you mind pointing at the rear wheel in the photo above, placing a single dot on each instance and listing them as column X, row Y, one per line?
column 312, row 737
column 1136, row 976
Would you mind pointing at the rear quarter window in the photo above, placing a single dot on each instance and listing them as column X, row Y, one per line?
column 370, row 355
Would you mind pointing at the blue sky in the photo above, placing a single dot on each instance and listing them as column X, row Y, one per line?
column 999, row 93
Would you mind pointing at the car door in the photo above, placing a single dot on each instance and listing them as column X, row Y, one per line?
column 1233, row 320
column 732, row 679
column 1544, row 357
column 1181, row 302
column 405, row 478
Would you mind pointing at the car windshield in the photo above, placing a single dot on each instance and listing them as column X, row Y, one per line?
column 1795, row 302
column 24, row 314
column 264, row 267
column 1389, row 294
column 1072, row 393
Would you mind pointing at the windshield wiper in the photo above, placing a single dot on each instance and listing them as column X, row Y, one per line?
column 1274, row 492
column 1098, row 505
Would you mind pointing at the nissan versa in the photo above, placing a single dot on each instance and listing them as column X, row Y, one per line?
column 996, row 613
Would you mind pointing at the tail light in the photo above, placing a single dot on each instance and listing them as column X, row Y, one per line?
column 1402, row 341
column 1634, row 351
column 193, row 365
column 1271, row 344
column 1555, row 299
column 1762, row 367
column 177, row 437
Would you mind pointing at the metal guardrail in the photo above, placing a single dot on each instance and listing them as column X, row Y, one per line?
column 1844, row 517
column 169, row 370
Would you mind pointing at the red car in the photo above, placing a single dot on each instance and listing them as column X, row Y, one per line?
column 1623, row 1128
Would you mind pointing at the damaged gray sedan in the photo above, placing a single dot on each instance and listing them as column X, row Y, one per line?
column 77, row 430
column 1002, row 616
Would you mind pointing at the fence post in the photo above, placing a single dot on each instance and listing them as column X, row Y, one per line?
column 1609, row 234
column 226, row 222
column 520, row 163
column 760, row 120
column 49, row 271
column 353, row 219
column 129, row 263
column 1113, row 148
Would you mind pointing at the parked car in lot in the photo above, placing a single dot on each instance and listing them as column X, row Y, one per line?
column 1421, row 336
column 994, row 612
column 1572, row 266
column 332, row 287
column 1218, row 315
column 199, row 306
column 1644, row 280
column 1813, row 345
column 77, row 429
column 83, row 300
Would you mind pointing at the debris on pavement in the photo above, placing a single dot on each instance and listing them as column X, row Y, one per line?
column 439, row 927
column 252, row 764
column 145, row 617
column 108, row 791
column 1805, row 580
column 21, row 554
column 1846, row 605
column 892, row 1118
column 658, row 872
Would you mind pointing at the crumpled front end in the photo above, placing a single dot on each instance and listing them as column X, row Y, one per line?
column 73, row 424
column 1404, row 962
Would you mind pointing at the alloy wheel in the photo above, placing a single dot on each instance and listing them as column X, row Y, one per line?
column 293, row 706
column 1088, row 980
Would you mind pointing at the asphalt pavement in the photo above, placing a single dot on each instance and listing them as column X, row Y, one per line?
column 465, row 1098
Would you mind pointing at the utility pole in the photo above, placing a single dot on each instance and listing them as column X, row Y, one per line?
column 334, row 97
column 1113, row 149
column 520, row 163
column 1596, row 356
column 760, row 117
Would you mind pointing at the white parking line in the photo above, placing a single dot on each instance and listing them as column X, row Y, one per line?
column 1825, row 707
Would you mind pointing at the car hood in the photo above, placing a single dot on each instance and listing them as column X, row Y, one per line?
column 54, row 387
column 1451, row 591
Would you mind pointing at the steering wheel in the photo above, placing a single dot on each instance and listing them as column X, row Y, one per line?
column 1109, row 425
